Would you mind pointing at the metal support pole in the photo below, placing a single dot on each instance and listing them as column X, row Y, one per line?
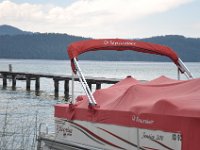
column 85, row 88
column 73, row 99
column 184, row 69
column 84, row 83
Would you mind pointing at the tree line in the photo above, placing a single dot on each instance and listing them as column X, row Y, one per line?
column 54, row 46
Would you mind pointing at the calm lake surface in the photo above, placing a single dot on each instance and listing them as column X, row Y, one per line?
column 21, row 112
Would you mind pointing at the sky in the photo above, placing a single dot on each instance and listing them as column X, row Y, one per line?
column 104, row 18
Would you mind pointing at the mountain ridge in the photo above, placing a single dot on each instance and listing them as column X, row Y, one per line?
column 53, row 46
column 10, row 30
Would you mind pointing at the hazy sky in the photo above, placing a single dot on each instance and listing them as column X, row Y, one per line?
column 104, row 18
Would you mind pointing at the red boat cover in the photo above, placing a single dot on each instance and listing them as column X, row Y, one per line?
column 161, row 104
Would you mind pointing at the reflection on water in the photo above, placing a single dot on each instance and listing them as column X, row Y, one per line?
column 21, row 111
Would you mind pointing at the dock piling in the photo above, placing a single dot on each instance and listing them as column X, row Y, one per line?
column 66, row 86
column 90, row 85
column 56, row 86
column 10, row 67
column 98, row 86
column 13, row 82
column 37, row 84
column 4, row 76
column 28, row 83
column 4, row 80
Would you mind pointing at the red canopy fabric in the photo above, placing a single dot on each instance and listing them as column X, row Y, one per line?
column 77, row 48
column 161, row 104
column 175, row 97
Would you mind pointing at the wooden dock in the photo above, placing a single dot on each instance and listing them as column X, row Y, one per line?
column 14, row 76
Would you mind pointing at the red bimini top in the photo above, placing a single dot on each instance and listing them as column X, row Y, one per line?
column 77, row 48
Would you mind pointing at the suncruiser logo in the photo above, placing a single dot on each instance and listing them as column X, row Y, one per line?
column 142, row 121
column 119, row 43
column 66, row 131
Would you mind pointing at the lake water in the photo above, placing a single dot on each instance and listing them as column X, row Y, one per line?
column 22, row 111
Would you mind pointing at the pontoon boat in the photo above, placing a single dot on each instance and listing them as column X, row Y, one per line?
column 161, row 114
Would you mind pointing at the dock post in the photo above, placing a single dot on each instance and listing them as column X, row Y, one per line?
column 13, row 82
column 37, row 86
column 28, row 83
column 66, row 84
column 56, row 85
column 37, row 83
column 4, row 76
column 10, row 67
column 90, row 85
column 98, row 86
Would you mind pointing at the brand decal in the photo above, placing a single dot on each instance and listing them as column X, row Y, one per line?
column 142, row 121
column 66, row 131
column 118, row 43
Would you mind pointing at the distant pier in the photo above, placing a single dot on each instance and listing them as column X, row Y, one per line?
column 14, row 76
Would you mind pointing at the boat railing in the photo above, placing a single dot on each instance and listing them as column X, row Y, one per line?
column 41, row 134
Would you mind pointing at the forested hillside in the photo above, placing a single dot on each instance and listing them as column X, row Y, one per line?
column 53, row 46
column 36, row 46
column 187, row 48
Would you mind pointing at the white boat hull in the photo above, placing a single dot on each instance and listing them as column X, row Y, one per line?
column 96, row 136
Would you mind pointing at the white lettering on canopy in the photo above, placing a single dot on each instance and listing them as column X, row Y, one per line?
column 118, row 43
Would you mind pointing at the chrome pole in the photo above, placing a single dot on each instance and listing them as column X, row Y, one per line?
column 73, row 100
column 84, row 83
column 185, row 69
column 84, row 87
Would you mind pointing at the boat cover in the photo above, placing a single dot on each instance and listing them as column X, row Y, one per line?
column 161, row 104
